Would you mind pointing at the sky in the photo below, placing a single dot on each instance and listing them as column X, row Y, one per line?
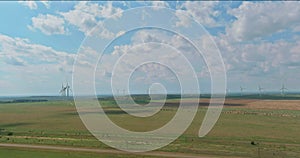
column 44, row 44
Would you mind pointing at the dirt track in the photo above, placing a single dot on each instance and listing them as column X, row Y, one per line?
column 104, row 151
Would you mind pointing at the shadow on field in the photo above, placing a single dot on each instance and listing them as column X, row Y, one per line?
column 112, row 112
column 201, row 104
column 118, row 111
column 107, row 112
column 14, row 124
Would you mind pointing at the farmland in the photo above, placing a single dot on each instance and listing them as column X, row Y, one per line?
column 247, row 127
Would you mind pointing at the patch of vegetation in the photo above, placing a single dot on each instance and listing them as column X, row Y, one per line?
column 10, row 133
column 57, row 123
column 37, row 153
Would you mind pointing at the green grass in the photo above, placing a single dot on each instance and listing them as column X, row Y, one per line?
column 30, row 153
column 57, row 123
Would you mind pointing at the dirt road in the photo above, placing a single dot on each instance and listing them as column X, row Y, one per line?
column 104, row 151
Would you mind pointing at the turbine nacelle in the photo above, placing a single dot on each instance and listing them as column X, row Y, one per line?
column 65, row 90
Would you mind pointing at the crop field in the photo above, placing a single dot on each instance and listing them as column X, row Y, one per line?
column 246, row 128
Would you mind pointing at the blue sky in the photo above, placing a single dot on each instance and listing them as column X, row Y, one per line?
column 16, row 17
column 259, row 43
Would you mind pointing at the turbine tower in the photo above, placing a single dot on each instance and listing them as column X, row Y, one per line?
column 282, row 89
column 260, row 90
column 62, row 90
column 68, row 88
column 65, row 90
column 242, row 88
column 227, row 92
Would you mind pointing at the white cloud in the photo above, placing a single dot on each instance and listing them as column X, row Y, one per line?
column 159, row 4
column 48, row 24
column 202, row 12
column 29, row 68
column 183, row 18
column 34, row 4
column 86, row 16
column 246, row 59
column 30, row 4
column 103, row 32
column 259, row 19
column 266, row 63
column 18, row 51
column 120, row 33
column 140, row 51
column 258, row 59
column 109, row 11
column 15, row 61
column 87, row 57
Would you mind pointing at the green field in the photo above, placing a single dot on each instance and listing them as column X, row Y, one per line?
column 273, row 132
column 29, row 153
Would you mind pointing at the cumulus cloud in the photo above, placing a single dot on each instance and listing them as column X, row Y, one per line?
column 159, row 4
column 18, row 51
column 263, row 62
column 147, row 46
column 48, row 24
column 183, row 18
column 87, row 15
column 258, row 59
column 15, row 61
column 32, row 68
column 256, row 20
column 243, row 50
column 203, row 12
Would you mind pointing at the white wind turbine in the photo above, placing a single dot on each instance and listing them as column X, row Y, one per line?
column 65, row 90
column 260, row 90
column 68, row 89
column 62, row 90
column 282, row 89
column 242, row 89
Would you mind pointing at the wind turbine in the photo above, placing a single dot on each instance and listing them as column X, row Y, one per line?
column 260, row 90
column 227, row 91
column 65, row 90
column 62, row 90
column 242, row 88
column 282, row 90
column 68, row 89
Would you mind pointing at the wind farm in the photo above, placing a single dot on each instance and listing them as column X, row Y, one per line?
column 35, row 132
column 149, row 79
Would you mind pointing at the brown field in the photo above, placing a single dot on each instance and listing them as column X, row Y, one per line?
column 249, row 103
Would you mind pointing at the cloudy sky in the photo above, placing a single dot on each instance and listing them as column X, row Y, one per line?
column 39, row 42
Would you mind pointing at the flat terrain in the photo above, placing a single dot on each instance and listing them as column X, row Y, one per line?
column 246, row 128
column 100, row 152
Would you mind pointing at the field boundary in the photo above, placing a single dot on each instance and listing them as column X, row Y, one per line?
column 104, row 151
